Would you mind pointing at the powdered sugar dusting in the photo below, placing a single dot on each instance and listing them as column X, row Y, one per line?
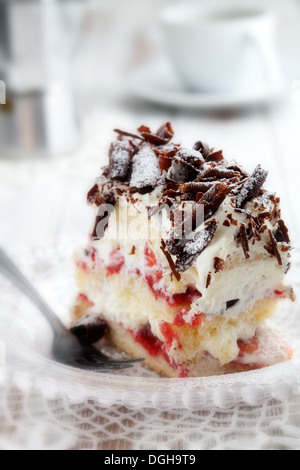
column 145, row 169
column 252, row 186
column 193, row 248
column 120, row 156
column 186, row 153
column 198, row 243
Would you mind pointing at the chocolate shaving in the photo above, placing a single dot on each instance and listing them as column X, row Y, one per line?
column 145, row 170
column 185, row 165
column 244, row 241
column 231, row 303
column 237, row 168
column 252, row 187
column 120, row 155
column 94, row 196
column 170, row 261
column 163, row 136
column 272, row 248
column 166, row 132
column 215, row 157
column 127, row 134
column 204, row 209
column 194, row 247
column 165, row 162
column 263, row 216
column 281, row 232
column 232, row 220
column 219, row 265
column 203, row 148
column 214, row 197
column 213, row 172
column 208, row 280
column 195, row 188
column 184, row 226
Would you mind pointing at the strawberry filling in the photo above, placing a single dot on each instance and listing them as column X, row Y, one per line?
column 155, row 347
column 153, row 277
column 84, row 300
column 169, row 335
column 116, row 263
column 280, row 294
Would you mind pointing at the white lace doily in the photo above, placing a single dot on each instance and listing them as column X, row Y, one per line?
column 46, row 405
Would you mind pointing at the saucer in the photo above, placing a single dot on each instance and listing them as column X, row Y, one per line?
column 158, row 83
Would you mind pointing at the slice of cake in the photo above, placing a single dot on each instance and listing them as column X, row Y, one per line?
column 187, row 258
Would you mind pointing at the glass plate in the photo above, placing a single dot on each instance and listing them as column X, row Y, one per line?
column 27, row 338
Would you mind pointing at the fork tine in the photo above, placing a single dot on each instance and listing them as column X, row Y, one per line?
column 95, row 359
column 89, row 364
column 99, row 355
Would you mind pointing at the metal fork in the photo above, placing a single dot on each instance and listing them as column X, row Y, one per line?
column 66, row 348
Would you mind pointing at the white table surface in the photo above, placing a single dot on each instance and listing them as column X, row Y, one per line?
column 44, row 200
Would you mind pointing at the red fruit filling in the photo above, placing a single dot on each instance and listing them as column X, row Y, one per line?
column 248, row 347
column 116, row 263
column 82, row 265
column 154, row 275
column 169, row 334
column 150, row 258
column 155, row 347
column 83, row 300
column 280, row 294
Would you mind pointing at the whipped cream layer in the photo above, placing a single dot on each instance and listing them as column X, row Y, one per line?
column 237, row 279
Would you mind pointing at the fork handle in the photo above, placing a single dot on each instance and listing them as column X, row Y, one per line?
column 9, row 269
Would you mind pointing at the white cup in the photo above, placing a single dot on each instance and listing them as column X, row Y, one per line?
column 222, row 47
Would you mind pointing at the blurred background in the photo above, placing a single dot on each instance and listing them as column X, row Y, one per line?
column 71, row 70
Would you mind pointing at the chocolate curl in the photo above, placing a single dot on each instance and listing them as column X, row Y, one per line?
column 214, row 197
column 281, row 232
column 272, row 248
column 194, row 247
column 215, row 157
column 201, row 211
column 94, row 196
column 231, row 303
column 185, row 166
column 162, row 137
column 170, row 261
column 251, row 188
column 219, row 264
column 203, row 148
column 127, row 134
column 244, row 241
column 120, row 155
column 195, row 188
column 145, row 173
column 215, row 172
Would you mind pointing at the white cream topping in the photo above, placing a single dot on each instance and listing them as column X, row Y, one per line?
column 246, row 280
